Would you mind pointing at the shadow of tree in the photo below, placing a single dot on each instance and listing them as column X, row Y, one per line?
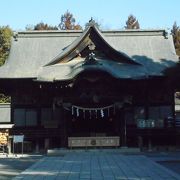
column 165, row 67
column 11, row 167
column 174, row 75
column 148, row 68
column 155, row 67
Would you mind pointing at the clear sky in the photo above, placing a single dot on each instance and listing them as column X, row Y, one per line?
column 112, row 14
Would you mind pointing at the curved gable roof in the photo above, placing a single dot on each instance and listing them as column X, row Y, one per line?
column 91, row 35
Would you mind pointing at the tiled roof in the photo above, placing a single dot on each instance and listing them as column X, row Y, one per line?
column 32, row 50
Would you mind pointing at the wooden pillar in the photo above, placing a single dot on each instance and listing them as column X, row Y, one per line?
column 147, row 104
column 122, row 127
column 146, row 99
column 118, row 123
column 149, row 144
column 46, row 143
column 37, row 146
column 140, row 142
column 173, row 108
column 63, row 128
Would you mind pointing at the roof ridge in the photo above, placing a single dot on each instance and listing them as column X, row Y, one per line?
column 104, row 30
column 76, row 33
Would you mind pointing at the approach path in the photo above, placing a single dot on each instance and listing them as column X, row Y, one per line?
column 97, row 166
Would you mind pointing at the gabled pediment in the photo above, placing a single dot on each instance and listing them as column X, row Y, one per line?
column 91, row 41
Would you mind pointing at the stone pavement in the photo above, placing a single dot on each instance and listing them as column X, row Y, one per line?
column 97, row 166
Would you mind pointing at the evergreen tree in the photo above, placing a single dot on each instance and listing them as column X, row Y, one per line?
column 40, row 26
column 43, row 26
column 176, row 37
column 68, row 22
column 132, row 23
column 5, row 43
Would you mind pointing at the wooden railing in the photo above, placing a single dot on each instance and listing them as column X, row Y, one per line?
column 112, row 141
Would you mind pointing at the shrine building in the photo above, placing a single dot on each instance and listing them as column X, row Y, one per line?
column 91, row 88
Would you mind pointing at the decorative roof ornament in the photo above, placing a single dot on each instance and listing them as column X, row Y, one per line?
column 91, row 58
column 91, row 46
column 92, row 22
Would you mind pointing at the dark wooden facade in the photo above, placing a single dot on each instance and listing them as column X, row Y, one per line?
column 134, row 100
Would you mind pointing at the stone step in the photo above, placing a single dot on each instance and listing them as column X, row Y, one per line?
column 62, row 152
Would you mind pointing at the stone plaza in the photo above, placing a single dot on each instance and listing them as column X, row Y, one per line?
column 97, row 165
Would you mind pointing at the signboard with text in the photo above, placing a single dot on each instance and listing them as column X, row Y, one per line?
column 18, row 138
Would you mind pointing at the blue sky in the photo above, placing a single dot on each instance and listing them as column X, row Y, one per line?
column 112, row 14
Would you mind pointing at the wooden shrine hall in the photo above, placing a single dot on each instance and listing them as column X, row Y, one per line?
column 91, row 88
